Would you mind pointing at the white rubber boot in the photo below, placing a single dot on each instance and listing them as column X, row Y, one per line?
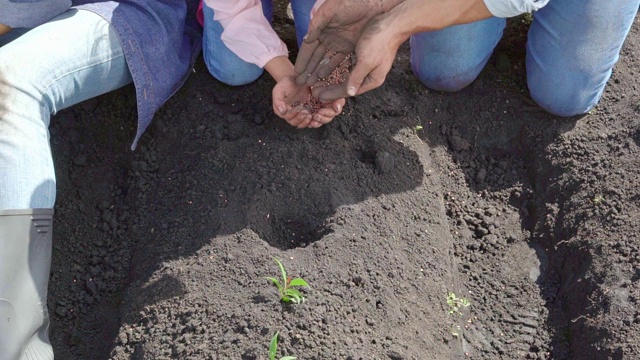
column 25, row 261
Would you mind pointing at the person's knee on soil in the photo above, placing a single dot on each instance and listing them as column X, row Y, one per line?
column 452, row 58
column 221, row 62
column 445, row 82
column 562, row 99
column 230, row 71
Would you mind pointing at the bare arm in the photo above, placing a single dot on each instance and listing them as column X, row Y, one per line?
column 4, row 29
column 413, row 16
column 383, row 35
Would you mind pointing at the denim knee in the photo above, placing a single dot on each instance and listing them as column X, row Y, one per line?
column 572, row 47
column 446, row 79
column 561, row 97
column 223, row 63
column 452, row 58
column 231, row 71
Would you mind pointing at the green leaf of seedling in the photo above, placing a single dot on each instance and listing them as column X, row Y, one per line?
column 276, row 282
column 298, row 282
column 295, row 296
column 282, row 271
column 273, row 346
column 288, row 358
column 294, row 292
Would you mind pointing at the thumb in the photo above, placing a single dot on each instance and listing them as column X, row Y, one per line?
column 357, row 76
column 277, row 99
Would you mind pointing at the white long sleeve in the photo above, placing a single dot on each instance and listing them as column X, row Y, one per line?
column 511, row 8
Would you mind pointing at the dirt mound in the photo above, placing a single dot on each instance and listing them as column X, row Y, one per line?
column 409, row 195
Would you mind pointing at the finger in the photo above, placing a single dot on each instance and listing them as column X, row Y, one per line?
column 359, row 72
column 314, row 60
column 292, row 113
column 312, row 79
column 327, row 112
column 331, row 111
column 312, row 64
column 330, row 93
column 334, row 62
column 304, row 55
column 305, row 120
column 321, row 118
column 315, row 124
column 279, row 107
column 363, row 70
column 295, row 119
column 372, row 81
column 338, row 105
column 364, row 77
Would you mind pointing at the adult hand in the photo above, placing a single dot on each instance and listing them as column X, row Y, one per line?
column 375, row 52
column 383, row 34
column 333, row 33
column 286, row 93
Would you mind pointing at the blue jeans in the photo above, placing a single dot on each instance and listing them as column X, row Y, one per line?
column 226, row 66
column 571, row 49
column 71, row 58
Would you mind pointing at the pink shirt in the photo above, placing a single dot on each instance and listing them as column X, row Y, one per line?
column 246, row 31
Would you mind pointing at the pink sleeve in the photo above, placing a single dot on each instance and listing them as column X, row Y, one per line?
column 246, row 31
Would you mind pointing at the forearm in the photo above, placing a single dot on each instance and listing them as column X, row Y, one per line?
column 413, row 16
column 279, row 67
column 4, row 29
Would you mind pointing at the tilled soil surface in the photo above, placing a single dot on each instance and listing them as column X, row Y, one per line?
column 160, row 253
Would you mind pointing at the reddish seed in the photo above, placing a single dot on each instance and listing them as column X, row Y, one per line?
column 337, row 76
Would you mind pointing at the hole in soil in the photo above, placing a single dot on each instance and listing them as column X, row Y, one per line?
column 636, row 136
column 290, row 232
column 367, row 157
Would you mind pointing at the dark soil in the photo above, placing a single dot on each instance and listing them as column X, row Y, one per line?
column 160, row 253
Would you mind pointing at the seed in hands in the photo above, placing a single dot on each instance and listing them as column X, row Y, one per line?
column 337, row 76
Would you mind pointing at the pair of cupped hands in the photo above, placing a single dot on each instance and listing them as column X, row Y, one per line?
column 338, row 28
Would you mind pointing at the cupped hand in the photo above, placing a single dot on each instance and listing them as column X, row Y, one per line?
column 292, row 103
column 375, row 53
column 334, row 32
column 327, row 112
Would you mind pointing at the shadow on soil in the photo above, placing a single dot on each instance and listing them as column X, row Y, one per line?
column 216, row 161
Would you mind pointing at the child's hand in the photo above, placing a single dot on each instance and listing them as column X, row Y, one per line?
column 294, row 104
column 326, row 112
column 288, row 100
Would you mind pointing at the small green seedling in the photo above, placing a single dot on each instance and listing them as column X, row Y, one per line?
column 456, row 304
column 286, row 288
column 418, row 128
column 273, row 349
column 598, row 199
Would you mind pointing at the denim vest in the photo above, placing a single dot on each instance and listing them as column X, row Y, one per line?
column 160, row 40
